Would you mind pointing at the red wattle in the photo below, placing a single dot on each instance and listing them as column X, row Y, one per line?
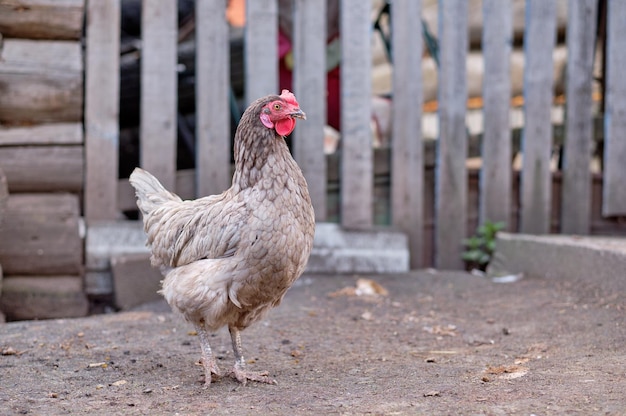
column 285, row 126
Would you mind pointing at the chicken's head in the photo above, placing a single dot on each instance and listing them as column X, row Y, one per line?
column 281, row 114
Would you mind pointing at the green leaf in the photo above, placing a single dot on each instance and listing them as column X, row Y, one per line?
column 472, row 255
column 472, row 242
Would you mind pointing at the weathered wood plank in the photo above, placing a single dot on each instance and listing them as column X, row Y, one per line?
column 539, row 40
column 576, row 192
column 41, row 235
column 41, row 56
column 159, row 31
column 310, row 87
column 42, row 19
column 212, row 109
column 43, row 297
column 43, row 168
column 495, row 175
column 614, row 197
column 102, row 80
column 261, row 55
column 4, row 197
column 41, row 81
column 451, row 176
column 407, row 175
column 357, row 182
column 42, row 134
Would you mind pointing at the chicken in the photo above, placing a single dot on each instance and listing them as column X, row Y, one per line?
column 227, row 259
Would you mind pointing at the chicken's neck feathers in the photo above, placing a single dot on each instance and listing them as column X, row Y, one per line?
column 260, row 154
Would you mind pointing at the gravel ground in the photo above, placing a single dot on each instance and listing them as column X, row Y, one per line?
column 436, row 343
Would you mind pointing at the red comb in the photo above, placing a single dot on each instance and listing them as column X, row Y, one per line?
column 288, row 96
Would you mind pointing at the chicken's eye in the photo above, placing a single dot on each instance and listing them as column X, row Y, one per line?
column 276, row 107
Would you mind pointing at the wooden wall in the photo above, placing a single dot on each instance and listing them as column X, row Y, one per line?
column 42, row 155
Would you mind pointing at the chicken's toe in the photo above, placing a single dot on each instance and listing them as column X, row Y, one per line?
column 210, row 369
column 239, row 370
column 242, row 375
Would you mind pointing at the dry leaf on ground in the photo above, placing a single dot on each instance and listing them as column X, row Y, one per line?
column 364, row 287
column 445, row 330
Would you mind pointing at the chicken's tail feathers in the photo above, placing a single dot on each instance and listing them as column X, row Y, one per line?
column 150, row 193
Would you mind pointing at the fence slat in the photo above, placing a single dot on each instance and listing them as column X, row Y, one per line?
column 212, row 108
column 101, row 109
column 451, row 174
column 576, row 193
column 539, row 40
column 407, row 164
column 310, row 87
column 357, row 182
column 614, row 198
column 159, row 33
column 261, row 49
column 495, row 175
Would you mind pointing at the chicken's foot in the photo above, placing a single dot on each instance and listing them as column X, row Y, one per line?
column 208, row 360
column 239, row 369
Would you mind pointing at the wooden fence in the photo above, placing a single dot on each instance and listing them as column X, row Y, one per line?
column 212, row 175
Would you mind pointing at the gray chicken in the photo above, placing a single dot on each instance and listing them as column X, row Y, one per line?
column 228, row 258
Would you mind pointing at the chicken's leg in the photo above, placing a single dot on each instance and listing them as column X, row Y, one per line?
column 239, row 370
column 208, row 360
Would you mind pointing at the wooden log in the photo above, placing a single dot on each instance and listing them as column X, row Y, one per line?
column 41, row 235
column 43, row 297
column 43, row 168
column 43, row 134
column 42, row 19
column 40, row 81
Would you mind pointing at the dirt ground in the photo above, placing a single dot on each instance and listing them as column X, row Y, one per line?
column 438, row 343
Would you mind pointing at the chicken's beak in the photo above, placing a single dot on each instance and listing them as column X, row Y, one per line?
column 297, row 113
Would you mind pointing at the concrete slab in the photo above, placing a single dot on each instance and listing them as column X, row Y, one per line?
column 107, row 239
column 601, row 259
column 43, row 297
column 135, row 282
column 98, row 283
column 335, row 250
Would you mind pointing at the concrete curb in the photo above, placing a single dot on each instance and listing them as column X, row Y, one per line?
column 601, row 260
column 335, row 250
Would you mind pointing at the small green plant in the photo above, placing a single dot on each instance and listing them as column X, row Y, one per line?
column 480, row 247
